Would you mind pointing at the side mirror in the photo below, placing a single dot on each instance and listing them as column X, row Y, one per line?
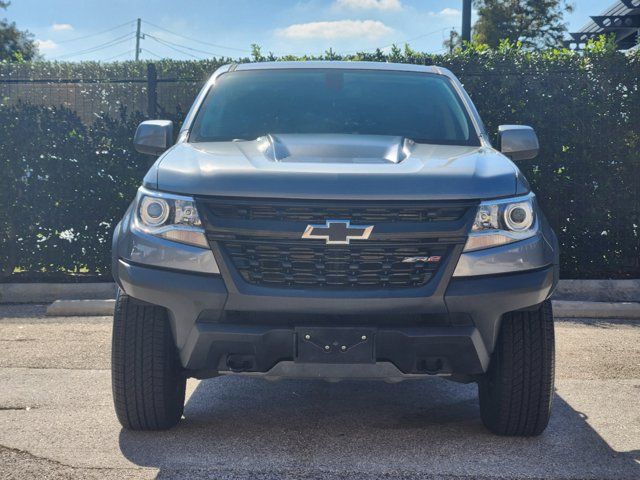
column 153, row 136
column 518, row 142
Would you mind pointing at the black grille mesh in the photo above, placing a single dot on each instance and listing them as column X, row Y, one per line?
column 320, row 213
column 305, row 264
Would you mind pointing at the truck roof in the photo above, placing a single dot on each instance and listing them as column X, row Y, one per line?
column 406, row 67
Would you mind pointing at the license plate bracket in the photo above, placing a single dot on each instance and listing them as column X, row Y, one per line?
column 334, row 345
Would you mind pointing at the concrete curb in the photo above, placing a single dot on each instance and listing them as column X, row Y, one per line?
column 561, row 309
column 577, row 309
column 49, row 292
column 599, row 290
column 81, row 308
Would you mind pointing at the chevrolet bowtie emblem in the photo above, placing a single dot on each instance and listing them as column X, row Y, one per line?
column 338, row 232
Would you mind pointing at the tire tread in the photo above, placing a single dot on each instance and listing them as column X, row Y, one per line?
column 517, row 391
column 147, row 380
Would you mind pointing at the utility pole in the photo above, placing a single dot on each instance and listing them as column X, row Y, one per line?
column 451, row 34
column 138, row 40
column 466, row 20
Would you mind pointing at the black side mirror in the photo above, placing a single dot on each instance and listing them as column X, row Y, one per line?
column 153, row 137
column 518, row 142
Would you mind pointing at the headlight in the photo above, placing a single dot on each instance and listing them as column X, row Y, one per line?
column 499, row 222
column 173, row 217
column 154, row 211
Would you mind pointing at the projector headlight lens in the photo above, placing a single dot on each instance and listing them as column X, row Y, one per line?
column 500, row 222
column 518, row 216
column 154, row 211
column 173, row 217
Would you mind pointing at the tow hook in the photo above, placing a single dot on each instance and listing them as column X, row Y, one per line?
column 240, row 363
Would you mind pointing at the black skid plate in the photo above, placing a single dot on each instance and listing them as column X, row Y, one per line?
column 334, row 345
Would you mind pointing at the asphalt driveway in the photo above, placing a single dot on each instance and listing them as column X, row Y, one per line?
column 57, row 421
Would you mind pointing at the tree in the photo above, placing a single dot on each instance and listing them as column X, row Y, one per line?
column 15, row 45
column 256, row 53
column 535, row 23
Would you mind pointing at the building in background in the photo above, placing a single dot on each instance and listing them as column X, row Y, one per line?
column 622, row 18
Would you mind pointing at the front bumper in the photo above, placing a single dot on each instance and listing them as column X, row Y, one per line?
column 454, row 337
column 221, row 323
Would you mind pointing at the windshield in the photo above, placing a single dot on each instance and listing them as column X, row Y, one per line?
column 245, row 105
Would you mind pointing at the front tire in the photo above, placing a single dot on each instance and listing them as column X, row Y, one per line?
column 516, row 393
column 147, row 379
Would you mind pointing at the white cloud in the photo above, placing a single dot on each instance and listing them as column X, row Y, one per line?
column 450, row 12
column 371, row 29
column 446, row 12
column 58, row 27
column 369, row 4
column 46, row 45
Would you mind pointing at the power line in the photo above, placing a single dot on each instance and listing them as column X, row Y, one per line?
column 419, row 36
column 169, row 44
column 96, row 34
column 161, row 42
column 195, row 39
column 152, row 53
column 118, row 55
column 184, row 46
column 116, row 41
column 102, row 46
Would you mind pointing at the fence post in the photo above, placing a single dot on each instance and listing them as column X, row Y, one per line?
column 152, row 90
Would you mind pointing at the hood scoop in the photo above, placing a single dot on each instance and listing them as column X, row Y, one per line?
column 335, row 148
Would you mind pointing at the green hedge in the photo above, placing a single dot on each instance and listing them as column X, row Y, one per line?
column 65, row 184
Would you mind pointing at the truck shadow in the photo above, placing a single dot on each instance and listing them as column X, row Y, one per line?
column 249, row 428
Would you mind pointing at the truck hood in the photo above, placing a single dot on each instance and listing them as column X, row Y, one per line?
column 335, row 167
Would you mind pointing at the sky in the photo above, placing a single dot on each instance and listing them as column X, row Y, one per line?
column 186, row 29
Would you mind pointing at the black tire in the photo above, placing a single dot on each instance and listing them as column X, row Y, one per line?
column 516, row 393
column 147, row 379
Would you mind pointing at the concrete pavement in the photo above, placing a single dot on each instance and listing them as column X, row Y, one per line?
column 57, row 420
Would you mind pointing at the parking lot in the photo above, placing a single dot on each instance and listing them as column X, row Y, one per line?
column 57, row 420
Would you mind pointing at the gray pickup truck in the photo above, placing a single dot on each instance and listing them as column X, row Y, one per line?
column 334, row 220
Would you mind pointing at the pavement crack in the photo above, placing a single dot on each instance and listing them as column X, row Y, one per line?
column 18, row 451
column 4, row 448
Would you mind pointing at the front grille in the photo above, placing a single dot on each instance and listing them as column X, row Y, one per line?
column 319, row 212
column 261, row 241
column 305, row 264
